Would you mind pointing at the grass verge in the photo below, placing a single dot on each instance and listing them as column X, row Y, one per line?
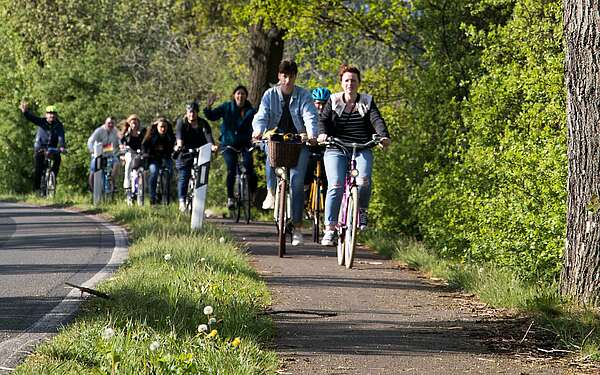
column 576, row 329
column 157, row 320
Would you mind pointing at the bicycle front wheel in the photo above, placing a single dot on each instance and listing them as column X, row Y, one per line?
column 189, row 198
column 245, row 199
column 351, row 227
column 281, row 215
column 50, row 184
column 140, row 188
column 165, row 188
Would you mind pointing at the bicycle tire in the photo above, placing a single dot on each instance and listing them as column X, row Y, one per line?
column 316, row 214
column 189, row 197
column 245, row 195
column 237, row 197
column 351, row 227
column 42, row 191
column 281, row 216
column 50, row 184
column 140, row 188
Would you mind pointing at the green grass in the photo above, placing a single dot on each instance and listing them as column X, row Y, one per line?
column 158, row 298
column 575, row 328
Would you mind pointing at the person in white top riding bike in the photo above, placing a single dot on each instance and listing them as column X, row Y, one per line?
column 107, row 135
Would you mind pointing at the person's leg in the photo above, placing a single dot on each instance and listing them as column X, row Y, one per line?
column 230, row 158
column 127, row 178
column 297, row 187
column 335, row 167
column 38, row 167
column 184, row 177
column 364, row 165
column 153, row 179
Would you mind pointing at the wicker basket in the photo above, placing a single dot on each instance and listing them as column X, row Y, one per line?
column 284, row 154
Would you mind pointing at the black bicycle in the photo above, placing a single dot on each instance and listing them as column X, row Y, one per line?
column 48, row 181
column 163, row 184
column 241, row 187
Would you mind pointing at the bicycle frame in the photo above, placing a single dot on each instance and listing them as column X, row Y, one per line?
column 241, row 185
column 48, row 177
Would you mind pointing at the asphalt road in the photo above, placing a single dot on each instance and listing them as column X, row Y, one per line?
column 41, row 249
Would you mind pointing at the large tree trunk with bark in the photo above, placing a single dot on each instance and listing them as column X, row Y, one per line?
column 266, row 52
column 580, row 277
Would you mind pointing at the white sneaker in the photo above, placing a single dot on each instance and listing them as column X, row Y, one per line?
column 269, row 202
column 328, row 238
column 182, row 205
column 297, row 239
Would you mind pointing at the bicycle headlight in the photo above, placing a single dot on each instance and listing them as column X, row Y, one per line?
column 354, row 173
column 279, row 171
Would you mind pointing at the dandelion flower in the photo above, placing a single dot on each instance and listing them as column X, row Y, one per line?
column 154, row 346
column 108, row 333
column 167, row 257
column 212, row 321
column 208, row 310
column 203, row 260
column 236, row 342
column 213, row 333
column 222, row 240
column 202, row 328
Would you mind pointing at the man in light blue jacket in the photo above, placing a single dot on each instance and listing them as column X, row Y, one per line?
column 289, row 109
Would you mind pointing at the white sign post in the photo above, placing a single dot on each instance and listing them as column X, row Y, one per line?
column 98, row 171
column 201, row 187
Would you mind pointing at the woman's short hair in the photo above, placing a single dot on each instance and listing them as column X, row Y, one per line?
column 288, row 67
column 344, row 68
column 133, row 117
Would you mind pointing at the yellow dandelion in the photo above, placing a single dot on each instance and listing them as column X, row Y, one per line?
column 236, row 342
column 213, row 333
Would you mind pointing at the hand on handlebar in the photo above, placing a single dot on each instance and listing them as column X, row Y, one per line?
column 384, row 142
column 322, row 138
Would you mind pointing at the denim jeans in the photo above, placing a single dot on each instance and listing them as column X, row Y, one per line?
column 154, row 167
column 231, row 159
column 297, row 186
column 184, row 171
column 336, row 164
column 269, row 171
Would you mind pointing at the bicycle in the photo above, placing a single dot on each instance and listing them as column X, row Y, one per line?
column 136, row 179
column 349, row 212
column 198, row 175
column 241, row 187
column 284, row 151
column 48, row 180
column 163, row 184
column 104, row 188
column 315, row 202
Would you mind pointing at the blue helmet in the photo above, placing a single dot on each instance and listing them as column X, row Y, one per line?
column 321, row 94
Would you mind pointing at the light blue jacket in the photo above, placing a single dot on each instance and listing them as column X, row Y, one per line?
column 303, row 111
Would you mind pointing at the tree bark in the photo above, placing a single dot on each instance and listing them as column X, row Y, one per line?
column 580, row 278
column 266, row 52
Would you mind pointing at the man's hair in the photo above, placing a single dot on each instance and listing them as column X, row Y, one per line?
column 288, row 67
column 344, row 68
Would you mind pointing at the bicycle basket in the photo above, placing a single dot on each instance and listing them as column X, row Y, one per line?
column 284, row 154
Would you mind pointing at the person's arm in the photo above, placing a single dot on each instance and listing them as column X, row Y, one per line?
column 261, row 119
column 214, row 114
column 60, row 132
column 91, row 140
column 325, row 121
column 179, row 133
column 38, row 121
column 377, row 121
column 207, row 132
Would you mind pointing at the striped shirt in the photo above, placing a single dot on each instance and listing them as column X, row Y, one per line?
column 353, row 128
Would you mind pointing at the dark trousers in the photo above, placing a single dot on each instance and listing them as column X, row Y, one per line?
column 231, row 159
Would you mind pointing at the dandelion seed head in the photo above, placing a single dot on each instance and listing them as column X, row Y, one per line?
column 212, row 321
column 222, row 240
column 202, row 328
column 108, row 333
column 208, row 310
column 154, row 346
column 167, row 257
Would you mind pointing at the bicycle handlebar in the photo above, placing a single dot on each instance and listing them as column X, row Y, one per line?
column 333, row 141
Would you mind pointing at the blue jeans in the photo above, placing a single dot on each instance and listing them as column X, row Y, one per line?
column 154, row 167
column 336, row 164
column 231, row 159
column 297, row 186
column 269, row 171
column 184, row 171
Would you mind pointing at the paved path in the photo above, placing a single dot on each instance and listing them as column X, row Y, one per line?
column 387, row 320
column 40, row 250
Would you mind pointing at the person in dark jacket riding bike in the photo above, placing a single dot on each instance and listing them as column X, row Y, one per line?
column 50, row 133
column 236, row 131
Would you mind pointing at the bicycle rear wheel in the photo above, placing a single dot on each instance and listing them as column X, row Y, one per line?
column 316, row 202
column 245, row 199
column 281, row 215
column 165, row 188
column 50, row 183
column 351, row 227
column 140, row 188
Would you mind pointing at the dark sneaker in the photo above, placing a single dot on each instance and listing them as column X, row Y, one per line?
column 363, row 218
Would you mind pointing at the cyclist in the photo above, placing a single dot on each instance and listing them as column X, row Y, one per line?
column 191, row 131
column 107, row 135
column 351, row 117
column 290, row 109
column 236, row 131
column 50, row 133
column 132, row 135
column 320, row 95
column 158, row 147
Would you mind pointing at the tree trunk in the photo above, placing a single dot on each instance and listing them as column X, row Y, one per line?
column 580, row 278
column 266, row 52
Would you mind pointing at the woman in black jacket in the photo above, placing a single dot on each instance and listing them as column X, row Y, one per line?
column 157, row 147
